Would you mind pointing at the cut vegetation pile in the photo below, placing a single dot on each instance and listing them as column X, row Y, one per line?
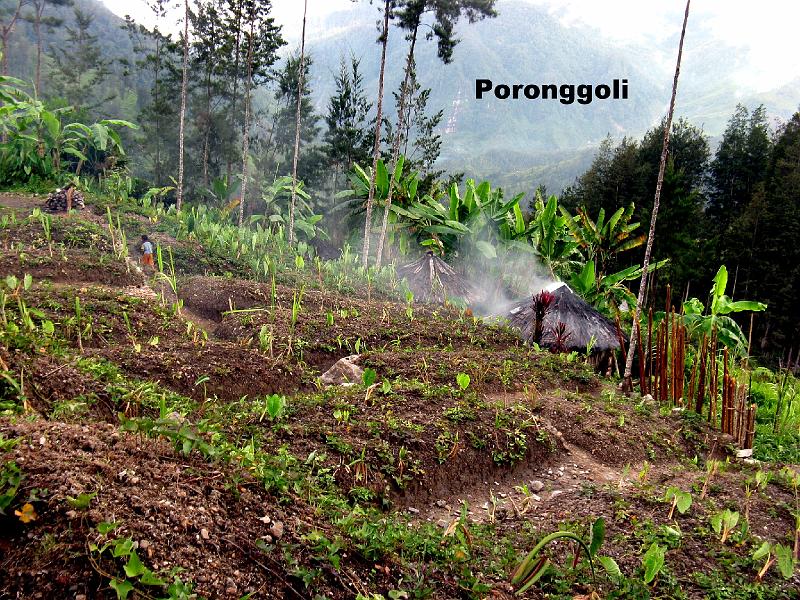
column 63, row 200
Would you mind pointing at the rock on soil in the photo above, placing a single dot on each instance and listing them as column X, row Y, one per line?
column 344, row 372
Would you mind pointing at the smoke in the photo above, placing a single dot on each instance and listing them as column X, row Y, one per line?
column 514, row 274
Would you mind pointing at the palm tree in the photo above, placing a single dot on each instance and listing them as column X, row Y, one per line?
column 376, row 153
column 297, row 124
column 627, row 384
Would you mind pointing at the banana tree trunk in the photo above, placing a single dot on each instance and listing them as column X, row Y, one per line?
column 627, row 383
column 377, row 148
column 396, row 143
column 297, row 125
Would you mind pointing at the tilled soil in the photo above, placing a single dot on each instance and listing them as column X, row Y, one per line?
column 180, row 511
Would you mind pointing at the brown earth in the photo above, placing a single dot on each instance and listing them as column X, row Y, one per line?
column 413, row 444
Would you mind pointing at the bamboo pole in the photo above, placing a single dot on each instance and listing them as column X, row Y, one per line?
column 725, row 393
column 701, row 387
column 627, row 384
column 642, row 360
column 650, row 350
column 714, row 380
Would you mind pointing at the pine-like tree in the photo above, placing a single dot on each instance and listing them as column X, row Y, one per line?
column 739, row 165
column 775, row 262
column 38, row 20
column 347, row 139
column 80, row 69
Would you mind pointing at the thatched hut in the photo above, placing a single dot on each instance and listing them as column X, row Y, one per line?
column 432, row 280
column 582, row 325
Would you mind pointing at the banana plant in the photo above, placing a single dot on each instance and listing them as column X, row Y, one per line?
column 600, row 240
column 608, row 293
column 701, row 322
column 549, row 235
column 276, row 199
column 37, row 141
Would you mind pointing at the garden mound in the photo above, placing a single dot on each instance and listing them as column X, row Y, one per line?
column 183, row 513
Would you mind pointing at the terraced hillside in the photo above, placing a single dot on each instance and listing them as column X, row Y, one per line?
column 169, row 436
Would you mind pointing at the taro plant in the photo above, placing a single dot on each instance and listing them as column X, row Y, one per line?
column 771, row 553
column 369, row 377
column 723, row 523
column 463, row 381
column 679, row 499
column 275, row 406
column 653, row 562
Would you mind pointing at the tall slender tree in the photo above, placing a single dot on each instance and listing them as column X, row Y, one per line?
column 246, row 133
column 38, row 19
column 376, row 151
column 184, row 91
column 9, row 15
column 297, row 123
column 446, row 15
column 159, row 8
column 627, row 383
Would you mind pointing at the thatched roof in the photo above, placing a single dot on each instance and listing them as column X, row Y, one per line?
column 581, row 319
column 432, row 280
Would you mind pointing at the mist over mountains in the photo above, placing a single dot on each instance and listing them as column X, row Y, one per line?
column 522, row 143
column 517, row 144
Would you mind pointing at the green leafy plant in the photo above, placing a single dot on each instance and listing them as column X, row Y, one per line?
column 82, row 500
column 718, row 316
column 369, row 377
column 37, row 144
column 534, row 566
column 10, row 479
column 275, row 407
column 463, row 381
column 723, row 523
column 653, row 562
column 679, row 499
column 770, row 553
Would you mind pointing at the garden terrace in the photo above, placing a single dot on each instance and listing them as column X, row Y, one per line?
column 192, row 429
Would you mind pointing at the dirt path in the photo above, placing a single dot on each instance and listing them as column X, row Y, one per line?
column 20, row 203
column 535, row 490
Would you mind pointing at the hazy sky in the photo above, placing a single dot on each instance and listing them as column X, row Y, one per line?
column 765, row 32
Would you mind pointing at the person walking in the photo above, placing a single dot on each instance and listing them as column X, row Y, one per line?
column 147, row 253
